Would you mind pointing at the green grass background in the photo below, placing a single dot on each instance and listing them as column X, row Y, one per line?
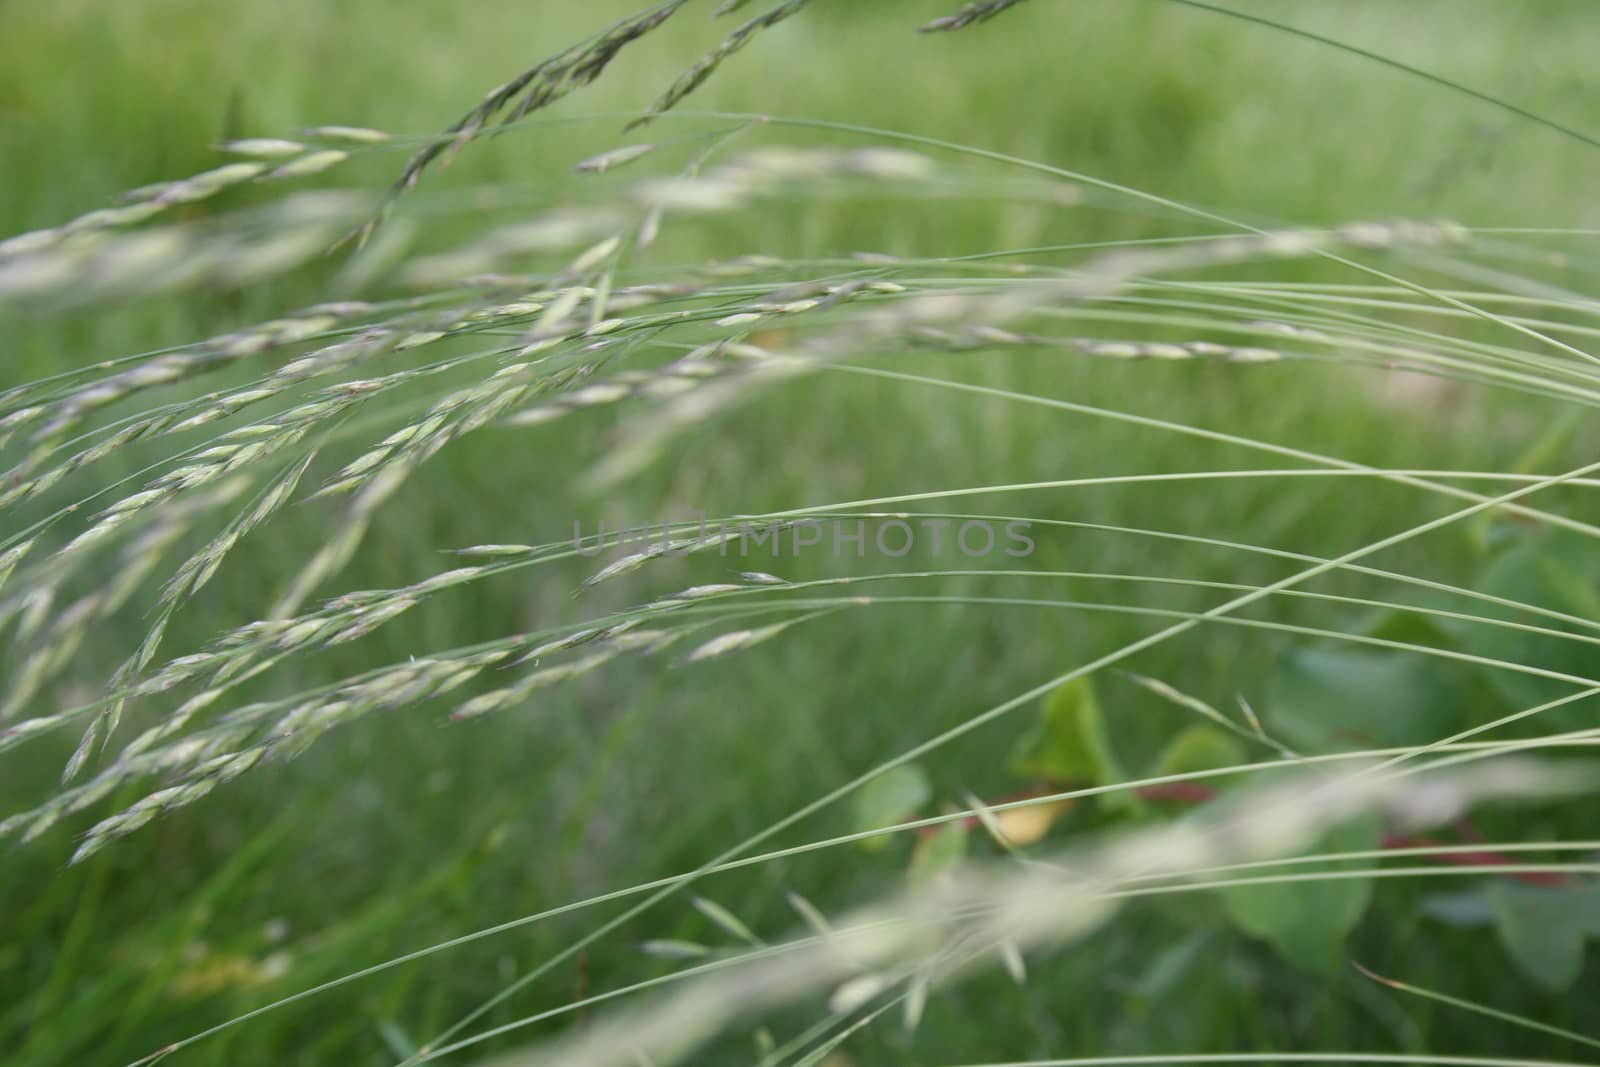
column 402, row 831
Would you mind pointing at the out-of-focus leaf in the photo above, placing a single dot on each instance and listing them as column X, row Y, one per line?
column 1545, row 928
column 938, row 851
column 1555, row 569
column 1411, row 627
column 1307, row 921
column 892, row 797
column 1067, row 742
column 1327, row 698
column 1199, row 748
column 1026, row 825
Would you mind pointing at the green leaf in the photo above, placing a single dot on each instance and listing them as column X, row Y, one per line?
column 1199, row 748
column 1545, row 929
column 1324, row 698
column 1411, row 627
column 1068, row 743
column 1307, row 921
column 892, row 797
column 1555, row 569
column 938, row 852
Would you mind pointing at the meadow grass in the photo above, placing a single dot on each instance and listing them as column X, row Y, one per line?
column 394, row 833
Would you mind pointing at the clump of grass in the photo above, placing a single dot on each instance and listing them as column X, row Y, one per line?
column 553, row 320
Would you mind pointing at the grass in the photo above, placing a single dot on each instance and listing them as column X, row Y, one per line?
column 397, row 832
